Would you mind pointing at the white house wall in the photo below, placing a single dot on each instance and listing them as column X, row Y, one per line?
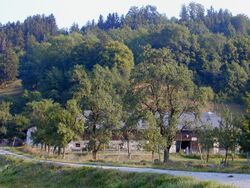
column 29, row 140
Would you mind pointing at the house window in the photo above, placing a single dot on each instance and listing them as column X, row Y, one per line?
column 78, row 145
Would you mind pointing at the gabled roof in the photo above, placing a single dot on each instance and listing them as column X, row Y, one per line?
column 188, row 121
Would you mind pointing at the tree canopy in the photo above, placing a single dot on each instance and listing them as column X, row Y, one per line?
column 93, row 79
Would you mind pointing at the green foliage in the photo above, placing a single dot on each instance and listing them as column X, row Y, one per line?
column 8, row 65
column 154, row 140
column 55, row 126
column 244, row 138
column 228, row 132
column 11, row 126
column 5, row 117
column 99, row 99
column 209, row 42
column 180, row 64
column 235, row 79
column 137, row 17
column 163, row 92
column 206, row 138
column 19, row 104
column 247, row 102
column 115, row 54
column 71, row 124
column 47, row 64
column 213, row 44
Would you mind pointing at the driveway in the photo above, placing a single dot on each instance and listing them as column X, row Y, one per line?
column 237, row 180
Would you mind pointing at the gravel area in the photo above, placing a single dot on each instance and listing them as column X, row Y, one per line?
column 237, row 180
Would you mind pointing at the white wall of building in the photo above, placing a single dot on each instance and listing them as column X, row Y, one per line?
column 29, row 140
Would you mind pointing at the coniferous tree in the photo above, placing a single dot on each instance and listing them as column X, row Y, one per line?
column 8, row 65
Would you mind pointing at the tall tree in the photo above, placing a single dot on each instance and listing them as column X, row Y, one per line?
column 55, row 126
column 196, row 11
column 228, row 132
column 244, row 138
column 40, row 26
column 130, row 117
column 206, row 138
column 44, row 115
column 100, row 23
column 5, row 117
column 74, row 28
column 71, row 124
column 101, row 105
column 8, row 65
column 165, row 93
column 155, row 141
column 234, row 80
column 184, row 14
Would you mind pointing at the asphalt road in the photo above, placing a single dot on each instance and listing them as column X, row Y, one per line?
column 237, row 180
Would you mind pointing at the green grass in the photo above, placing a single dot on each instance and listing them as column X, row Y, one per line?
column 17, row 173
column 178, row 162
column 13, row 89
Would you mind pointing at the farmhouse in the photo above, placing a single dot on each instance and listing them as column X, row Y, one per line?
column 186, row 137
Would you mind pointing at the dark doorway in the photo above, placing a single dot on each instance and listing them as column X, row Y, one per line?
column 182, row 145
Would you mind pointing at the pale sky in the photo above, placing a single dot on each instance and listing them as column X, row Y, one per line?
column 80, row 11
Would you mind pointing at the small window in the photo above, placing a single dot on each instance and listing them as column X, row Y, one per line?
column 78, row 145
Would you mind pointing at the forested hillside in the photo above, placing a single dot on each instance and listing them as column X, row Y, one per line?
column 121, row 68
column 214, row 44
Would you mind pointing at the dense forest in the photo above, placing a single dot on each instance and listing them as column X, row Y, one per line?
column 201, row 52
column 215, row 45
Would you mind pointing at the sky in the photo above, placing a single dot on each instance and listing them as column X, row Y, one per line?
column 68, row 12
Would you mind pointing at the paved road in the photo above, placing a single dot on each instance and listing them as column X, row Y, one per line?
column 238, row 180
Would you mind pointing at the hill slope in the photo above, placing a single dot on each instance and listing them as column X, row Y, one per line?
column 12, row 89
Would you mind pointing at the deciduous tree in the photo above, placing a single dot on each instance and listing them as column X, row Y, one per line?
column 101, row 105
column 167, row 90
column 244, row 138
column 228, row 132
column 206, row 138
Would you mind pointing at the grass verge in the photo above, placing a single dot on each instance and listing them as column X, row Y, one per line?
column 17, row 173
column 178, row 162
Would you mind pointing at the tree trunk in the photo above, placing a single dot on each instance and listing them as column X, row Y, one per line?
column 59, row 151
column 226, row 157
column 166, row 155
column 48, row 149
column 159, row 153
column 248, row 158
column 128, row 145
column 233, row 154
column 63, row 152
column 153, row 155
column 14, row 140
column 54, row 150
column 200, row 152
column 207, row 155
column 118, row 156
column 94, row 152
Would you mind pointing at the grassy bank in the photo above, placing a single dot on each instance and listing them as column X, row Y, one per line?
column 12, row 89
column 17, row 173
column 178, row 162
